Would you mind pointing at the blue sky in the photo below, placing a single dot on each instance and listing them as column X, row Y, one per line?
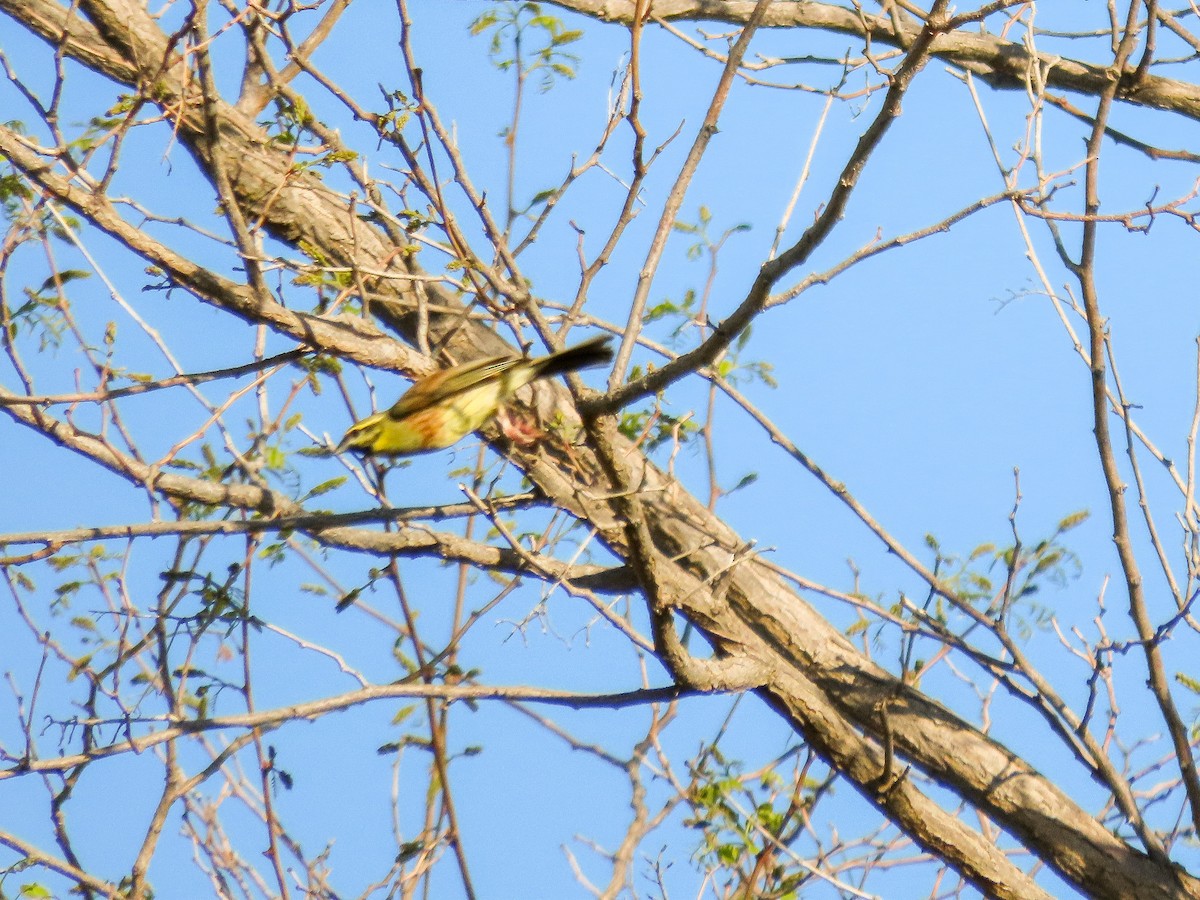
column 920, row 378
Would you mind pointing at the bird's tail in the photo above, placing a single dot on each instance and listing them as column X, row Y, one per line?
column 592, row 352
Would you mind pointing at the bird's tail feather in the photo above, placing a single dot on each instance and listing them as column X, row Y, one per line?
column 592, row 352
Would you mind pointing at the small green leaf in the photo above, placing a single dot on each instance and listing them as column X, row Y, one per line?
column 59, row 279
column 348, row 600
column 1073, row 520
column 746, row 480
column 1188, row 682
column 483, row 23
column 326, row 486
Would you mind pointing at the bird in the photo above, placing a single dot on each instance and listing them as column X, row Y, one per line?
column 441, row 409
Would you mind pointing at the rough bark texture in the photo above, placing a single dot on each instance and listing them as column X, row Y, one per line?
column 1002, row 63
column 764, row 635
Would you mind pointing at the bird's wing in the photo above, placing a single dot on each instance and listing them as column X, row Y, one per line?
column 449, row 383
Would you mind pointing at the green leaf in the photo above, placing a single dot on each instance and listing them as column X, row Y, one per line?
column 274, row 458
column 1188, row 682
column 80, row 665
column 348, row 600
column 729, row 854
column 746, row 480
column 483, row 23
column 658, row 311
column 326, row 486
column 1073, row 520
column 408, row 850
column 857, row 627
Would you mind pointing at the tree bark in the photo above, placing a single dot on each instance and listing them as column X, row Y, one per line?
column 764, row 635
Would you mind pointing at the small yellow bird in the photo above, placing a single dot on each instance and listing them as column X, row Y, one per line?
column 442, row 408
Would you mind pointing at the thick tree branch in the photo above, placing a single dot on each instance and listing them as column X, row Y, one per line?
column 999, row 62
column 820, row 683
column 329, row 529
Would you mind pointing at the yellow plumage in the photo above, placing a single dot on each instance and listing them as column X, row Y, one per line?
column 442, row 408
